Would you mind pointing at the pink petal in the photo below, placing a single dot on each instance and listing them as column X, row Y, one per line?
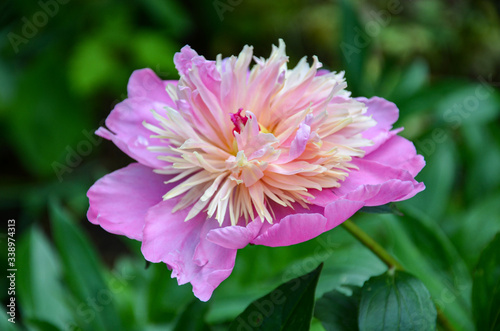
column 339, row 211
column 183, row 59
column 146, row 92
column 380, row 194
column 300, row 141
column 184, row 248
column 293, row 229
column 127, row 131
column 385, row 113
column 371, row 173
column 373, row 184
column 305, row 224
column 144, row 83
column 119, row 201
column 398, row 152
column 235, row 237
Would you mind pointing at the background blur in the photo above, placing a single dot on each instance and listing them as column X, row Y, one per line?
column 64, row 64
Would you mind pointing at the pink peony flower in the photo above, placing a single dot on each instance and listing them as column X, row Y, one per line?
column 233, row 154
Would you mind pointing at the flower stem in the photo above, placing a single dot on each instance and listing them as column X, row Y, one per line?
column 372, row 245
column 389, row 260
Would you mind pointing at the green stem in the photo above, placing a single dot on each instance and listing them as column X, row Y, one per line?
column 372, row 245
column 389, row 260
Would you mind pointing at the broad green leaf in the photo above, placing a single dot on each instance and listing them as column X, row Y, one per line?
column 192, row 318
column 338, row 311
column 271, row 267
column 40, row 290
column 288, row 307
column 84, row 274
column 396, row 301
column 444, row 273
column 486, row 288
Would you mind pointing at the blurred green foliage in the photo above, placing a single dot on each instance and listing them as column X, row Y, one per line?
column 65, row 64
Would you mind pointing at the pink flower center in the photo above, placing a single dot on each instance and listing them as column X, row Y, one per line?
column 238, row 120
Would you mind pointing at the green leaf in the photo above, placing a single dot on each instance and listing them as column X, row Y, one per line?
column 337, row 249
column 445, row 275
column 486, row 288
column 83, row 272
column 396, row 301
column 40, row 293
column 186, row 320
column 288, row 307
column 338, row 311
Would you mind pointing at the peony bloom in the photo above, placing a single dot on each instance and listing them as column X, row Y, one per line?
column 234, row 153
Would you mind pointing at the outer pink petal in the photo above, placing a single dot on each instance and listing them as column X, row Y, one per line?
column 297, row 228
column 374, row 184
column 119, row 201
column 184, row 248
column 385, row 113
column 398, row 152
column 146, row 92
column 380, row 194
column 339, row 211
column 236, row 236
column 127, row 131
column 144, row 83
column 293, row 229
